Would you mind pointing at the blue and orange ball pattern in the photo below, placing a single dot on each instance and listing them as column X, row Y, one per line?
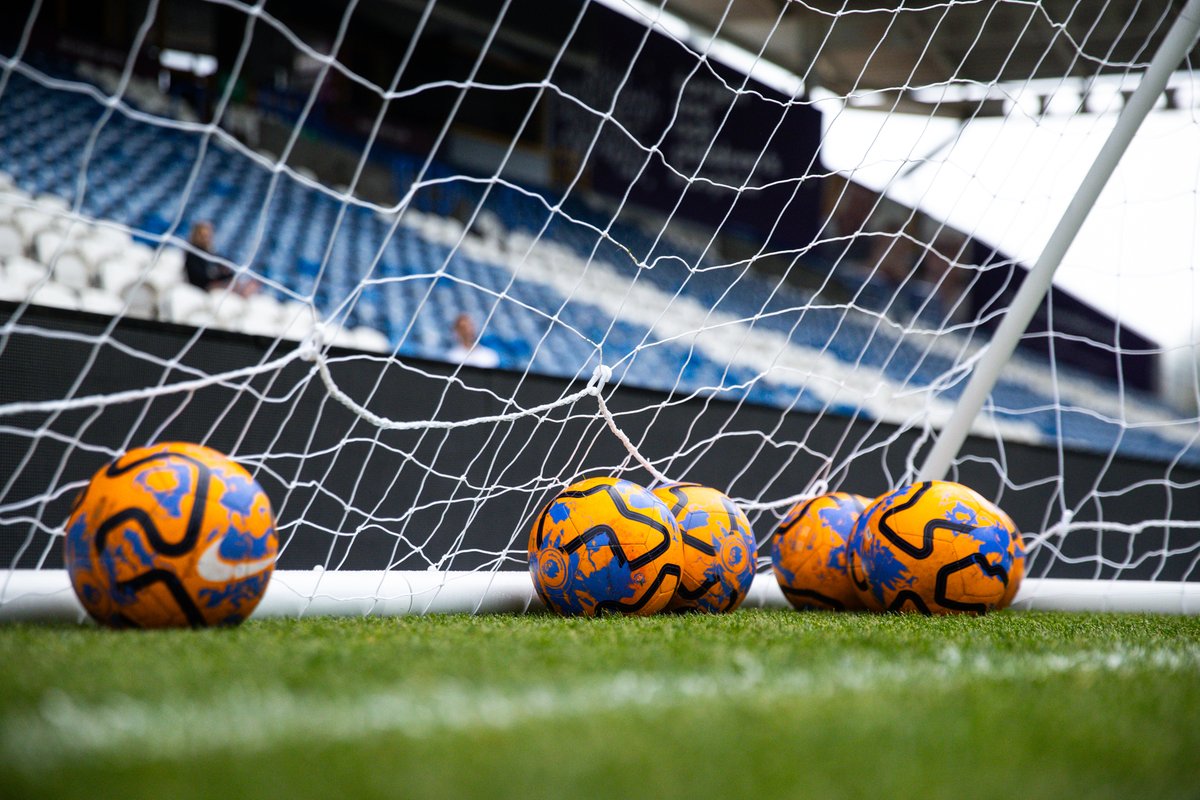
column 172, row 535
column 605, row 544
column 935, row 547
column 808, row 552
column 719, row 552
column 1017, row 547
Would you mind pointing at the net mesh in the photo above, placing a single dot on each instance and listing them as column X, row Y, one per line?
column 679, row 260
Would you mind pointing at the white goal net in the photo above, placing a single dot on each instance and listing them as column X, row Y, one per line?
column 459, row 255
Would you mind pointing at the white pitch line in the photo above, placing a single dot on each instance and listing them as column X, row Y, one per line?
column 245, row 721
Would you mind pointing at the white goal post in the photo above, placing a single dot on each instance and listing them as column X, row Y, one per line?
column 489, row 253
column 46, row 595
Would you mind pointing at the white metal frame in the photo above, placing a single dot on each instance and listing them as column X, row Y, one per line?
column 46, row 595
column 1175, row 47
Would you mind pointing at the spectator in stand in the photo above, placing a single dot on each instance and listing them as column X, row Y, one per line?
column 207, row 273
column 467, row 350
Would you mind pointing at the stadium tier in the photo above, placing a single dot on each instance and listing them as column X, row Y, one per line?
column 97, row 204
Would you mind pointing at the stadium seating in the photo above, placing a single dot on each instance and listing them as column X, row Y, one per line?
column 94, row 217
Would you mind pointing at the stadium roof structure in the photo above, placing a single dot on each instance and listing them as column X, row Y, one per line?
column 981, row 113
column 879, row 53
column 991, row 114
column 850, row 48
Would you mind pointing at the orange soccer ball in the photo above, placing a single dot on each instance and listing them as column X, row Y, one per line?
column 169, row 536
column 719, row 553
column 808, row 553
column 936, row 547
column 605, row 544
column 1017, row 547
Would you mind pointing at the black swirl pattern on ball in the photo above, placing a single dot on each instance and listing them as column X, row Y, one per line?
column 618, row 552
column 622, row 509
column 927, row 533
column 160, row 545
column 909, row 596
column 195, row 518
column 973, row 560
column 818, row 598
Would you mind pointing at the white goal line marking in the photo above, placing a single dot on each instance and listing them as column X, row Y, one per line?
column 248, row 720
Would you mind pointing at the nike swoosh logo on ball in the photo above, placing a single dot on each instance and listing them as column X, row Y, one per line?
column 215, row 570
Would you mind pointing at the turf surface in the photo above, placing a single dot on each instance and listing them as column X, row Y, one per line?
column 754, row 704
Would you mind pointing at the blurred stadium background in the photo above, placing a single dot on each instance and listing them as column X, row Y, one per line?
column 837, row 308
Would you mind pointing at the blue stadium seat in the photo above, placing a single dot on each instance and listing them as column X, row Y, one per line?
column 154, row 180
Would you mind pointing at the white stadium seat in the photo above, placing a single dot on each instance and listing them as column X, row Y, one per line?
column 112, row 233
column 264, row 306
column 181, row 302
column 10, row 291
column 261, row 326
column 46, row 245
column 228, row 307
column 51, row 243
column 23, row 273
column 201, row 318
column 488, row 225
column 30, row 222
column 70, row 270
column 262, row 316
column 344, row 338
column 412, row 218
column 296, row 320
column 485, row 248
column 12, row 200
column 171, row 257
column 55, row 295
column 53, row 204
column 15, row 194
column 139, row 252
column 367, row 338
column 99, row 301
column 142, row 300
column 111, row 237
column 117, row 274
column 95, row 250
column 164, row 274
column 10, row 241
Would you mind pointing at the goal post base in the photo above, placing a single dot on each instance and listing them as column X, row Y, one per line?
column 46, row 595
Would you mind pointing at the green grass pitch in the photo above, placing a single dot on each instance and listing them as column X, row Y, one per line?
column 751, row 705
